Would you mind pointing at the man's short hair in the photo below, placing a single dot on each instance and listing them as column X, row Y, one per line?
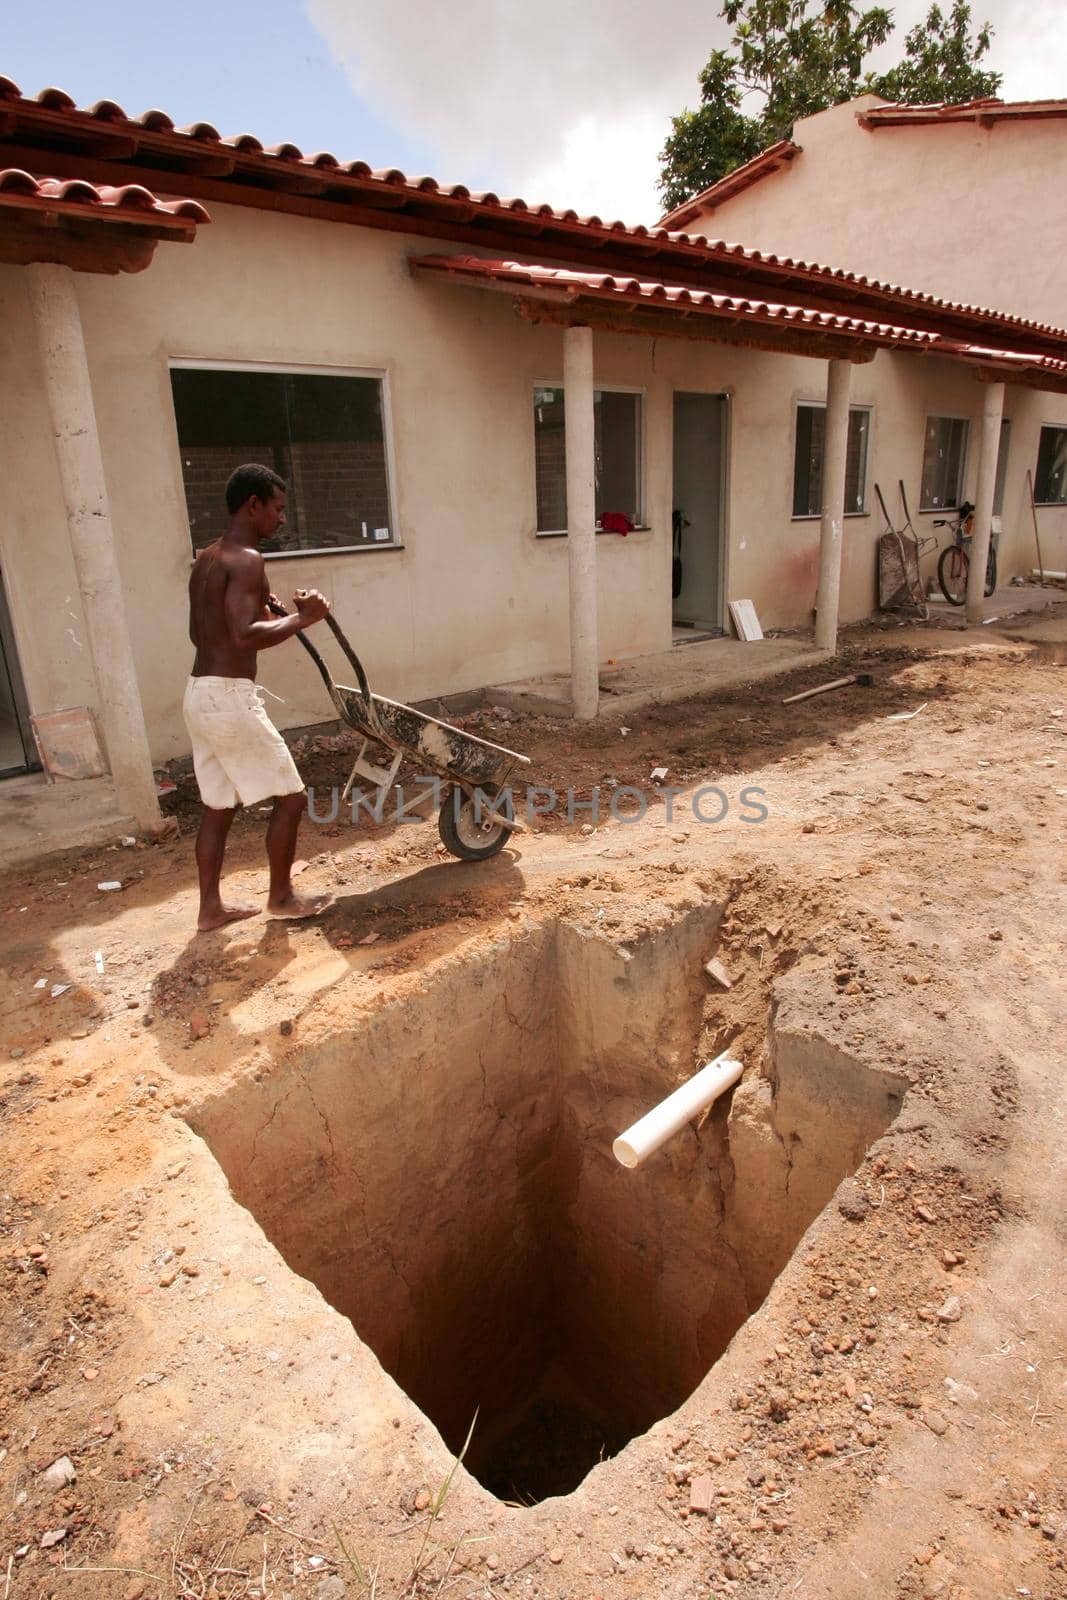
column 251, row 479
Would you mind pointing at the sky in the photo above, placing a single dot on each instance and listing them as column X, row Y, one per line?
column 567, row 101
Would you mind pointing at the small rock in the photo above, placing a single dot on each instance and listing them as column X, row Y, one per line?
column 422, row 1500
column 55, row 1537
column 996, row 935
column 701, row 1494
column 331, row 1588
column 285, row 1027
column 925, row 1214
column 176, row 1170
column 168, row 1277
column 59, row 1475
column 779, row 1404
column 951, row 1311
column 17, row 1052
column 853, row 1204
column 718, row 973
column 556, row 1555
column 1049, row 1529
column 935, row 1422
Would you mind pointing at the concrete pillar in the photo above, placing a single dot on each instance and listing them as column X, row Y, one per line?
column 835, row 453
column 66, row 372
column 581, row 518
column 989, row 450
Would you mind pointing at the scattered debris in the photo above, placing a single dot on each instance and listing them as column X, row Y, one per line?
column 718, row 973
column 864, row 679
column 701, row 1494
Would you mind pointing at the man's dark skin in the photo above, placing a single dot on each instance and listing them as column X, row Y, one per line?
column 229, row 623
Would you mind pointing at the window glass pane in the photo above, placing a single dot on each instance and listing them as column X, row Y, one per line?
column 807, row 463
column 943, row 461
column 550, row 461
column 808, row 460
column 1002, row 465
column 859, row 423
column 617, row 446
column 324, row 435
column 1050, row 480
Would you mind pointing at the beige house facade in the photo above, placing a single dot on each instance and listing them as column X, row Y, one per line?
column 426, row 420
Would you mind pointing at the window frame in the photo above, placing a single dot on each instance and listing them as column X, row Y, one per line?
column 644, row 526
column 300, row 369
column 1057, row 427
column 949, row 505
column 820, row 405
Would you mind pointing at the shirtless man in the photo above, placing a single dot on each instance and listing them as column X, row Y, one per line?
column 238, row 753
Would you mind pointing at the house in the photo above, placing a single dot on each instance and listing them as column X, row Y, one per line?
column 448, row 380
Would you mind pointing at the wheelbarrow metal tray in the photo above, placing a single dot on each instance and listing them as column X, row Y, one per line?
column 444, row 749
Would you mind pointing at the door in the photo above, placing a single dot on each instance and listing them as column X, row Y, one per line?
column 17, row 750
column 700, row 422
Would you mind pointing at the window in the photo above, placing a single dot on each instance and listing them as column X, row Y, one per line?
column 1050, row 480
column 617, row 445
column 944, row 458
column 324, row 434
column 807, row 462
column 1002, row 466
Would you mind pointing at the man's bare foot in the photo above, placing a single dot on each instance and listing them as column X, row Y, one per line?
column 295, row 906
column 208, row 921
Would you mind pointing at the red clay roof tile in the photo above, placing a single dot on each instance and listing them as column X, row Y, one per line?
column 159, row 148
column 74, row 196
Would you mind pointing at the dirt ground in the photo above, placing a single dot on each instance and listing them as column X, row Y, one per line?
column 183, row 1415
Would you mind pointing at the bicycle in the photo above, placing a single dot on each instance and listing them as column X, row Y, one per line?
column 954, row 562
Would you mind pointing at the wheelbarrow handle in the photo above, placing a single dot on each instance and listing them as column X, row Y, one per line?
column 324, row 671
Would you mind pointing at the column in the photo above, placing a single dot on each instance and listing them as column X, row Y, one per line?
column 989, row 451
column 835, row 453
column 66, row 374
column 581, row 518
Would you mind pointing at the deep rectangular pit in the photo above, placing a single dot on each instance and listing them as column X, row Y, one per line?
column 444, row 1175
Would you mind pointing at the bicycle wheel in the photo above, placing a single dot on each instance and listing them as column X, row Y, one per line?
column 952, row 574
column 991, row 572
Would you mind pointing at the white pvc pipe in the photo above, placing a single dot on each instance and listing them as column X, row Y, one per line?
column 664, row 1120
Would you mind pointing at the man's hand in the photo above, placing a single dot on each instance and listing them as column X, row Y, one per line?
column 311, row 606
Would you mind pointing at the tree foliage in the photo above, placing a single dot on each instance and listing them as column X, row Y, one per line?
column 791, row 58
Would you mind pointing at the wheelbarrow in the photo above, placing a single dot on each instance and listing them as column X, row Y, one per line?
column 474, row 818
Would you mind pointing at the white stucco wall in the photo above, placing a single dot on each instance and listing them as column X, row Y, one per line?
column 967, row 213
column 473, row 597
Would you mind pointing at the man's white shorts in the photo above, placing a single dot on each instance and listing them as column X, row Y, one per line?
column 238, row 753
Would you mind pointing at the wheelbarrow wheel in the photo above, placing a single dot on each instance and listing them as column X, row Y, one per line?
column 468, row 831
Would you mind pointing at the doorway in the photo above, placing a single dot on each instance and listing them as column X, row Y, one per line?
column 17, row 749
column 700, row 424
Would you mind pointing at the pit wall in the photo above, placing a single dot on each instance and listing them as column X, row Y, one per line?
column 443, row 1174
column 473, row 597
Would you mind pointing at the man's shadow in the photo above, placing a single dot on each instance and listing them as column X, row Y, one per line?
column 195, row 1031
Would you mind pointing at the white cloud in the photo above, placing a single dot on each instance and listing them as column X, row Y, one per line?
column 558, row 101
column 571, row 103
